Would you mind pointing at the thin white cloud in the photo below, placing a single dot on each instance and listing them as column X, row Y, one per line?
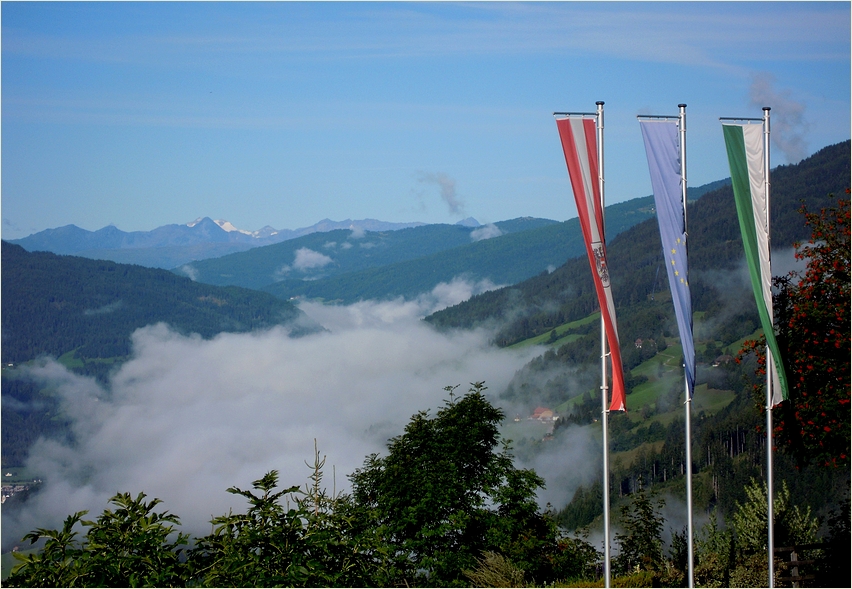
column 698, row 33
column 110, row 308
column 485, row 232
column 190, row 271
column 721, row 35
column 307, row 259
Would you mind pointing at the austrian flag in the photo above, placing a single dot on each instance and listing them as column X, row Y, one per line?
column 579, row 143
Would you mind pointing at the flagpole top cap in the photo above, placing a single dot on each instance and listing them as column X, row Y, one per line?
column 599, row 102
column 681, row 105
column 766, row 108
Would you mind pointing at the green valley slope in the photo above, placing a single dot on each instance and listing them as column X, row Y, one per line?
column 53, row 305
column 333, row 253
column 647, row 443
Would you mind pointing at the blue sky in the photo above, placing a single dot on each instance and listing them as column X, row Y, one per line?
column 144, row 114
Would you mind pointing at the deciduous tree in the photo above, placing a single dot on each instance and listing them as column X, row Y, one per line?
column 125, row 547
column 813, row 323
column 448, row 492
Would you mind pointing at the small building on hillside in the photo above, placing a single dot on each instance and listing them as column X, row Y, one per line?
column 723, row 359
column 543, row 414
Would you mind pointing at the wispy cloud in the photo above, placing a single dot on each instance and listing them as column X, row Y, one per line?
column 485, row 232
column 306, row 259
column 787, row 116
column 667, row 33
column 220, row 45
column 110, row 308
column 190, row 270
column 303, row 259
column 446, row 187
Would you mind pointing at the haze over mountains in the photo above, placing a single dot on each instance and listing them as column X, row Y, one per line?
column 345, row 267
column 348, row 260
column 172, row 245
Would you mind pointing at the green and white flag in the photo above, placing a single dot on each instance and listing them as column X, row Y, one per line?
column 744, row 143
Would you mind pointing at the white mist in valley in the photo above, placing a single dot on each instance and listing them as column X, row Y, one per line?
column 186, row 418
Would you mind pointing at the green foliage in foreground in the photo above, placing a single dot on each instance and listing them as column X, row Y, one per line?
column 444, row 496
column 445, row 507
column 128, row 547
column 730, row 556
column 440, row 509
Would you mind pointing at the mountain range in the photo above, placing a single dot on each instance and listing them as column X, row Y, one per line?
column 319, row 256
column 173, row 245
column 345, row 267
column 350, row 264
column 178, row 246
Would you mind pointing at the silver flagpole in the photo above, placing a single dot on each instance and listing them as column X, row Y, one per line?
column 688, row 402
column 604, row 388
column 770, row 512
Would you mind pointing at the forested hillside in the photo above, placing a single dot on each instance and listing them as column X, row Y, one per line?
column 58, row 304
column 505, row 259
column 332, row 253
column 517, row 255
column 811, row 436
column 384, row 532
column 84, row 312
column 346, row 266
column 634, row 256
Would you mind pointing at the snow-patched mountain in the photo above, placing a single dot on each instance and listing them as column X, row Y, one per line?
column 266, row 232
column 172, row 245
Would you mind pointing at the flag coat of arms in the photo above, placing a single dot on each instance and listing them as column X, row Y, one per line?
column 579, row 143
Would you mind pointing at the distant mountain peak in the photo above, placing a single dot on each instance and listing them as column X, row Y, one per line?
column 205, row 222
column 469, row 222
column 229, row 227
column 173, row 245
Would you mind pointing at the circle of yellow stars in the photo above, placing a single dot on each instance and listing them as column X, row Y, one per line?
column 676, row 271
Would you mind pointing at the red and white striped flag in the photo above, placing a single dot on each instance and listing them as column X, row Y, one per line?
column 579, row 142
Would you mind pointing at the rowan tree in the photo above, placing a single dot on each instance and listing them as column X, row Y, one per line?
column 813, row 331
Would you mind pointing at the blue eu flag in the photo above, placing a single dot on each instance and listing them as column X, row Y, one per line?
column 662, row 149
